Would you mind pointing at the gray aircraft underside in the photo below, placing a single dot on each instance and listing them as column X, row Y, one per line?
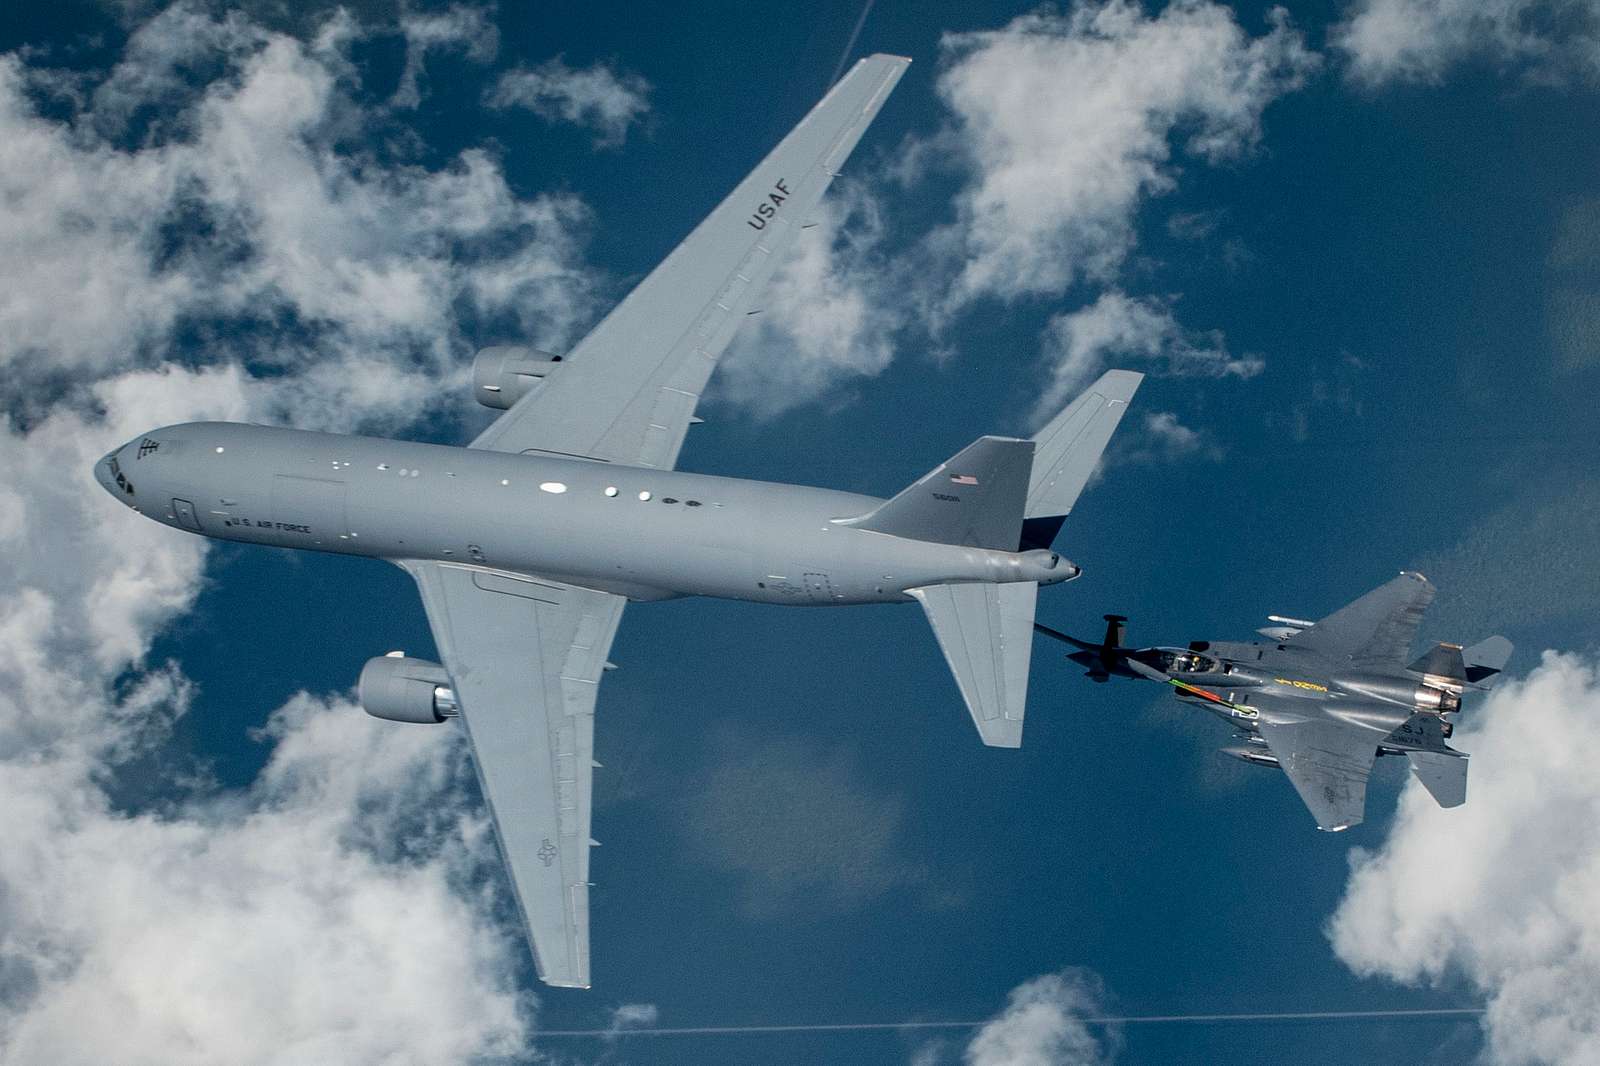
column 1323, row 700
column 526, row 545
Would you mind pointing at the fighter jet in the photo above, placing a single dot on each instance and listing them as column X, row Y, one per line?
column 527, row 544
column 1323, row 700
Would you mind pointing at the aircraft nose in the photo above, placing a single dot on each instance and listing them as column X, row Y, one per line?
column 108, row 471
column 102, row 474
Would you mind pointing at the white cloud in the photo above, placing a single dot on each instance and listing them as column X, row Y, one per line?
column 335, row 909
column 248, row 217
column 607, row 100
column 634, row 1016
column 826, row 318
column 467, row 30
column 1132, row 332
column 1061, row 125
column 1067, row 122
column 273, row 927
column 1505, row 891
column 1419, row 40
column 157, row 75
column 1166, row 439
column 323, row 914
column 1044, row 1024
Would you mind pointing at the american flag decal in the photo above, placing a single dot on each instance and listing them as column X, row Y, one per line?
column 963, row 479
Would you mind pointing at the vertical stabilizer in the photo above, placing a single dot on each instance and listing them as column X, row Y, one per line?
column 1485, row 660
column 986, row 634
column 975, row 498
column 1067, row 450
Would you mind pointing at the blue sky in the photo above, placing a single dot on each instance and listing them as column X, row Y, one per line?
column 1356, row 251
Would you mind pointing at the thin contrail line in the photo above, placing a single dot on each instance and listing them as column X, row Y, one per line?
column 849, row 46
column 1128, row 1019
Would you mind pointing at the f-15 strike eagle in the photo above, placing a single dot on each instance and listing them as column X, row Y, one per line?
column 527, row 544
column 1323, row 700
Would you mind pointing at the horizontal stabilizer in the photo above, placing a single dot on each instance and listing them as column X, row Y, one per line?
column 1423, row 731
column 974, row 499
column 1444, row 776
column 1069, row 448
column 1485, row 660
column 986, row 634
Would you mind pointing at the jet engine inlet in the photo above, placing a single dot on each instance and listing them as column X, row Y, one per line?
column 502, row 376
column 399, row 689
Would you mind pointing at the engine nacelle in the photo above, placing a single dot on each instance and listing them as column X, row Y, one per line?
column 398, row 689
column 502, row 376
column 1429, row 698
column 1403, row 691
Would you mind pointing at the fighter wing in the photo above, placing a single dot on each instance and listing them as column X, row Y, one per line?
column 1375, row 630
column 525, row 657
column 628, row 391
column 1328, row 763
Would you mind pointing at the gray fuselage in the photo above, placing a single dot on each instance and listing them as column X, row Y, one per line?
column 635, row 531
column 1312, row 684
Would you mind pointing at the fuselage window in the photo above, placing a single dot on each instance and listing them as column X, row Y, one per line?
column 644, row 495
column 553, row 486
column 691, row 503
column 611, row 490
column 505, row 481
column 668, row 499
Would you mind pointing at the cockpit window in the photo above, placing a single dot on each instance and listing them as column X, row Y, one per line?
column 1190, row 662
column 118, row 476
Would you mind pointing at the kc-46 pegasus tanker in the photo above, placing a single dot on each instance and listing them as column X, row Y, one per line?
column 528, row 543
column 1323, row 700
